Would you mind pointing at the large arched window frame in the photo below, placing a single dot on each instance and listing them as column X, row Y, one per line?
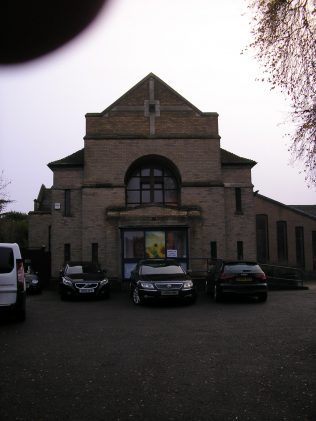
column 152, row 180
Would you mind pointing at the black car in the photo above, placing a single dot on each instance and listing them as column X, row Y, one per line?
column 236, row 278
column 160, row 279
column 33, row 283
column 83, row 279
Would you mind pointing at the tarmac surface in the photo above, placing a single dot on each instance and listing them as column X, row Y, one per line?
column 111, row 360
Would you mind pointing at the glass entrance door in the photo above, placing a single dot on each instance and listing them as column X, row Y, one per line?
column 155, row 243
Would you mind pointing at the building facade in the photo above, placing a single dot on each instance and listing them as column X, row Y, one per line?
column 153, row 181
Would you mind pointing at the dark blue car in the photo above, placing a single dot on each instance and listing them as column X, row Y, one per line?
column 157, row 279
column 83, row 280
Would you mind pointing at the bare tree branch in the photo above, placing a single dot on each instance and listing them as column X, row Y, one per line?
column 4, row 197
column 284, row 41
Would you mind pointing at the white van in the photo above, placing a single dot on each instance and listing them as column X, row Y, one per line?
column 12, row 282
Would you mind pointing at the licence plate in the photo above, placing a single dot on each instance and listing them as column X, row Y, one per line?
column 169, row 292
column 86, row 290
column 244, row 279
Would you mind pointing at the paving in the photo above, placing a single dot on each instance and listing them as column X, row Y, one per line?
column 111, row 360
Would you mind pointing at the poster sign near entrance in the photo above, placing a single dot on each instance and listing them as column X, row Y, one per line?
column 172, row 253
column 155, row 244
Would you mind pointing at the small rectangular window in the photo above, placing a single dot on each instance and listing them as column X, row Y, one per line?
column 152, row 108
column 158, row 196
column 314, row 249
column 49, row 237
column 262, row 238
column 67, row 203
column 240, row 250
column 171, row 196
column 95, row 252
column 145, row 172
column 282, row 241
column 300, row 250
column 146, row 196
column 213, row 250
column 238, row 200
column 134, row 244
column 133, row 196
column 67, row 253
column 176, row 242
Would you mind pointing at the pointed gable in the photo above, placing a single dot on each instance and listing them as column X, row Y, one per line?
column 74, row 160
column 151, row 109
column 229, row 159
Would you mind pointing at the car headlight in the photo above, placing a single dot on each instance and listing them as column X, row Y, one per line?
column 104, row 282
column 147, row 285
column 67, row 282
column 187, row 284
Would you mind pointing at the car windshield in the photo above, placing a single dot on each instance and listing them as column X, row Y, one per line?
column 82, row 268
column 242, row 267
column 160, row 269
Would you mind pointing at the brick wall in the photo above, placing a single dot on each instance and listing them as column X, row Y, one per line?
column 240, row 226
column 279, row 212
column 128, row 116
column 39, row 223
column 107, row 161
column 66, row 229
column 68, row 178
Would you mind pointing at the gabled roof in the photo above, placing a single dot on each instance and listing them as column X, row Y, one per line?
column 77, row 160
column 230, row 159
column 307, row 209
column 43, row 201
column 294, row 208
column 74, row 160
column 141, row 82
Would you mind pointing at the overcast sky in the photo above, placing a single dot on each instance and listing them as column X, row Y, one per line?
column 193, row 46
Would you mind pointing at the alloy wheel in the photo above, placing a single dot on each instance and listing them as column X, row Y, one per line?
column 136, row 297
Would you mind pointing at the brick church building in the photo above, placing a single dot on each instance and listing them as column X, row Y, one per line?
column 153, row 181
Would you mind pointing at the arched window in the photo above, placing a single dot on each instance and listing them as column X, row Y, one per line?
column 152, row 182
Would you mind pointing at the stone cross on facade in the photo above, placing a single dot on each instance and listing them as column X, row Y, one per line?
column 152, row 107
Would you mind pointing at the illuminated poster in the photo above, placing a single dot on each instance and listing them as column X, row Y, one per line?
column 155, row 245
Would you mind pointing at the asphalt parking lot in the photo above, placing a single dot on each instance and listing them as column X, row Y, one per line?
column 111, row 360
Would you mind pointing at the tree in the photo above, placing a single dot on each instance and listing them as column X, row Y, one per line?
column 4, row 197
column 284, row 40
column 14, row 228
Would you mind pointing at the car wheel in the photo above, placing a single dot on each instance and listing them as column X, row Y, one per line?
column 262, row 297
column 217, row 294
column 135, row 297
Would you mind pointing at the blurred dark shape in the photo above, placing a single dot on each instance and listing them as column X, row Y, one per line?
column 32, row 28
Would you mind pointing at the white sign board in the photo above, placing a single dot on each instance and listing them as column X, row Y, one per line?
column 172, row 253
